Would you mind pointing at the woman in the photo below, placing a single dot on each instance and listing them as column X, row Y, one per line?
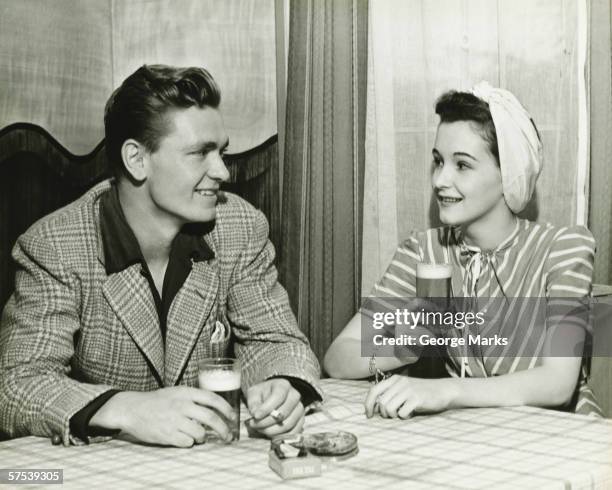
column 487, row 156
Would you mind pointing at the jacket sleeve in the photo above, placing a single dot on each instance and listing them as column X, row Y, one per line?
column 268, row 340
column 37, row 331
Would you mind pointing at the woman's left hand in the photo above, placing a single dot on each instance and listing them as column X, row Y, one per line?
column 400, row 396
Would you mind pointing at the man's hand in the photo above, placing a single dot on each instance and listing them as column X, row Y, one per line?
column 170, row 416
column 275, row 397
column 401, row 396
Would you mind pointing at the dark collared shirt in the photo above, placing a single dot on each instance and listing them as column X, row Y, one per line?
column 121, row 250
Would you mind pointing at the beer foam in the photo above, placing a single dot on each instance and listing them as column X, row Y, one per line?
column 434, row 271
column 219, row 380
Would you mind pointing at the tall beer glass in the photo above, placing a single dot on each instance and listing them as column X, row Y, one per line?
column 433, row 280
column 221, row 375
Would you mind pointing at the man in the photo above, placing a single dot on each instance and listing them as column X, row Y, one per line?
column 120, row 294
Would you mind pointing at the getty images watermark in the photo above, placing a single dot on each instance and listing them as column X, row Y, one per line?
column 491, row 327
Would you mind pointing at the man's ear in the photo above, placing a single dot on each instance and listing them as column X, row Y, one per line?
column 133, row 154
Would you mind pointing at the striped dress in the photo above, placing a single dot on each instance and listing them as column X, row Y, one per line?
column 537, row 261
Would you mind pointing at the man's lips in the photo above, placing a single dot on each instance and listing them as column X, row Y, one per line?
column 207, row 192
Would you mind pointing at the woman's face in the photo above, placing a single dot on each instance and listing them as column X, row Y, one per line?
column 466, row 177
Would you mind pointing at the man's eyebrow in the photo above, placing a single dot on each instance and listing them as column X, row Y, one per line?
column 207, row 146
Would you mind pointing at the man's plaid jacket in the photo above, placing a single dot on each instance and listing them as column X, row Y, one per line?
column 70, row 332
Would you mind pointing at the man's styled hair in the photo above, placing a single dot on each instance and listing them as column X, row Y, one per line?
column 138, row 108
column 456, row 106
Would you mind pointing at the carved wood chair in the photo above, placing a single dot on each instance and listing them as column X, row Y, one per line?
column 38, row 175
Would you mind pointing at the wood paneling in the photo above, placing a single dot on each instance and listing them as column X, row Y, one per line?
column 600, row 209
column 61, row 59
column 37, row 176
column 601, row 180
column 422, row 48
column 55, row 67
column 233, row 39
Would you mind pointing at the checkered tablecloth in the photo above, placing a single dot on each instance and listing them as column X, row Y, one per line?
column 505, row 448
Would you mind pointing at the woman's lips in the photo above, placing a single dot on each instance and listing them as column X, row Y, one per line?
column 449, row 200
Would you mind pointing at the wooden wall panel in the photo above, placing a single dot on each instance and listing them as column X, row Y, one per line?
column 601, row 180
column 601, row 136
column 422, row 48
column 539, row 64
column 55, row 67
column 61, row 59
column 233, row 39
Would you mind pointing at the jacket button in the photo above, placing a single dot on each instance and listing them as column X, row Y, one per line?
column 56, row 440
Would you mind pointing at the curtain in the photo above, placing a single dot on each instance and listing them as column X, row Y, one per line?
column 61, row 59
column 600, row 209
column 422, row 48
column 323, row 162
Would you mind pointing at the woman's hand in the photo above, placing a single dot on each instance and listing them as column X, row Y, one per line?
column 400, row 396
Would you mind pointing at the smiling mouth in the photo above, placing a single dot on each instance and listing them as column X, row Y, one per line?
column 449, row 200
column 206, row 192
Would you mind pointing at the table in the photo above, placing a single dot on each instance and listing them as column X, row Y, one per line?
column 505, row 448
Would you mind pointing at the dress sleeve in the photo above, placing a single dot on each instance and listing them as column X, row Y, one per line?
column 569, row 276
column 400, row 277
column 398, row 281
column 569, row 265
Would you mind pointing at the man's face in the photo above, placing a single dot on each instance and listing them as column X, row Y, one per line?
column 184, row 174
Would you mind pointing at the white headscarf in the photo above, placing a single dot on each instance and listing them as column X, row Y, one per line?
column 520, row 149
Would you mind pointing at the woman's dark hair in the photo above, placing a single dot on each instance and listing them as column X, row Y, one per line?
column 137, row 109
column 464, row 106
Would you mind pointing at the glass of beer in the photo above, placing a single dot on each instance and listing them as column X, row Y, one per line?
column 433, row 280
column 433, row 285
column 221, row 375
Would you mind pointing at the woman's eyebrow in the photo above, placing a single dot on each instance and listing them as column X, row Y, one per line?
column 464, row 154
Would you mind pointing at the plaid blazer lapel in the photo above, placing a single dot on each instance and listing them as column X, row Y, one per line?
column 128, row 294
column 187, row 316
